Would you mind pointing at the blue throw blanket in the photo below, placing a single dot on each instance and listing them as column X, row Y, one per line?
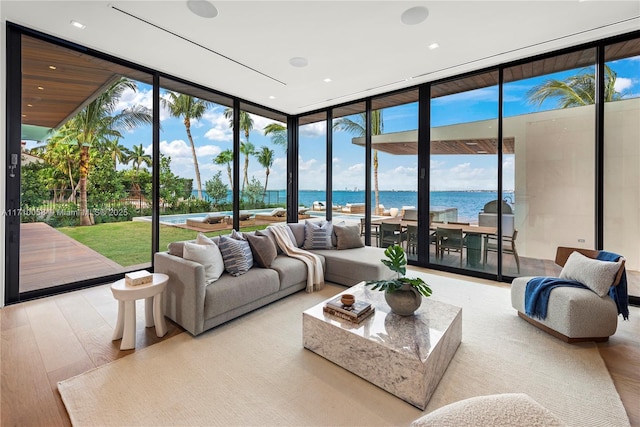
column 536, row 296
column 618, row 293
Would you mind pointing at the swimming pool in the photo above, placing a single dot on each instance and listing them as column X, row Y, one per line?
column 182, row 218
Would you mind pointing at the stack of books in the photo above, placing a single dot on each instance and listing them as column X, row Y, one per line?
column 355, row 313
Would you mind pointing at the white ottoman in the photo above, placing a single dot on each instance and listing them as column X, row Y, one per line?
column 573, row 314
column 509, row 409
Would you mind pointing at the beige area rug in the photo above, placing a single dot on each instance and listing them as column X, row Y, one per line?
column 254, row 371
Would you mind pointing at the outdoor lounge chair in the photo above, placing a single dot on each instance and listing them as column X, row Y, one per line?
column 276, row 215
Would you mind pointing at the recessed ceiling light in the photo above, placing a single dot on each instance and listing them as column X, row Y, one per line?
column 482, row 152
column 272, row 97
column 78, row 25
column 327, row 80
column 298, row 61
column 202, row 8
column 471, row 143
column 40, row 88
column 414, row 15
column 434, row 46
column 29, row 105
column 52, row 67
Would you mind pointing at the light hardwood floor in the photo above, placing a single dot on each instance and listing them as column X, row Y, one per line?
column 47, row 340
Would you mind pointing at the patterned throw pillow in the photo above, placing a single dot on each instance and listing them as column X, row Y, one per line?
column 317, row 235
column 236, row 255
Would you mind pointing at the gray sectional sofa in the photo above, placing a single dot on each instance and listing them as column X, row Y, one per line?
column 198, row 306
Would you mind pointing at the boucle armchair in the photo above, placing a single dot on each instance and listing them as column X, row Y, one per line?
column 575, row 314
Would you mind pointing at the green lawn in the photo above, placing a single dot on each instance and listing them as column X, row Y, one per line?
column 129, row 243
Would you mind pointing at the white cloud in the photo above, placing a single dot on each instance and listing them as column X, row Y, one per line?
column 175, row 148
column 622, row 83
column 208, row 150
column 306, row 165
column 314, row 130
column 220, row 130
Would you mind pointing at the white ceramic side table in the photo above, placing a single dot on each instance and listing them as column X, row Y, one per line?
column 127, row 296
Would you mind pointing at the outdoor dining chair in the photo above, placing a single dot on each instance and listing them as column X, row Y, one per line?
column 390, row 234
column 451, row 240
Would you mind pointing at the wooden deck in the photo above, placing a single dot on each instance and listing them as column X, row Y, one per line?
column 50, row 258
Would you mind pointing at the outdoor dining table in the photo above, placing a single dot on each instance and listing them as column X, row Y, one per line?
column 473, row 233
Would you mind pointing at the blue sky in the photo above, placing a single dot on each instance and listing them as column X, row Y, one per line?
column 212, row 135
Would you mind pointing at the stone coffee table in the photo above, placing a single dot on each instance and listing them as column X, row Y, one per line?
column 405, row 356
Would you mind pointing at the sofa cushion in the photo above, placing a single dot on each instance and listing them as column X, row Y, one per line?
column 231, row 292
column 236, row 255
column 262, row 248
column 317, row 235
column 347, row 236
column 291, row 270
column 509, row 409
column 352, row 266
column 207, row 255
column 595, row 274
column 297, row 231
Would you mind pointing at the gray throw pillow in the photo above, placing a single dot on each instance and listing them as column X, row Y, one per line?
column 297, row 231
column 262, row 248
column 236, row 255
column 317, row 235
column 348, row 236
column 594, row 274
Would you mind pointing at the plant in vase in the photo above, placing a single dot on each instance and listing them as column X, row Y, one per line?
column 403, row 294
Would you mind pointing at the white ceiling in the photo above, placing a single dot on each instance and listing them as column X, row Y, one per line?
column 361, row 45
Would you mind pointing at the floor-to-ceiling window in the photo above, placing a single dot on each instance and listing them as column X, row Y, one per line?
column 394, row 162
column 549, row 115
column 263, row 165
column 85, row 164
column 348, row 163
column 312, row 165
column 622, row 156
column 195, row 164
column 463, row 171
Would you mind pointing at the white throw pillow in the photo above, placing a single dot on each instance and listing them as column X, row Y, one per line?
column 595, row 274
column 209, row 256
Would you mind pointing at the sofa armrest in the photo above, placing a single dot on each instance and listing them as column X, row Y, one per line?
column 185, row 291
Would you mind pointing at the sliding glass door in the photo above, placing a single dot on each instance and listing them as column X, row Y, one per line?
column 622, row 156
column 85, row 151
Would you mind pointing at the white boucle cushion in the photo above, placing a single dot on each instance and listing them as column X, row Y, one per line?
column 595, row 274
column 209, row 256
column 509, row 409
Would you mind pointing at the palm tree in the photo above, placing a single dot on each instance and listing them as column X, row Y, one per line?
column 95, row 124
column 116, row 151
column 246, row 124
column 138, row 157
column 265, row 158
column 358, row 126
column 226, row 157
column 278, row 134
column 248, row 149
column 188, row 108
column 576, row 90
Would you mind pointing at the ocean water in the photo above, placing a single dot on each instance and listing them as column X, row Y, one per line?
column 469, row 203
